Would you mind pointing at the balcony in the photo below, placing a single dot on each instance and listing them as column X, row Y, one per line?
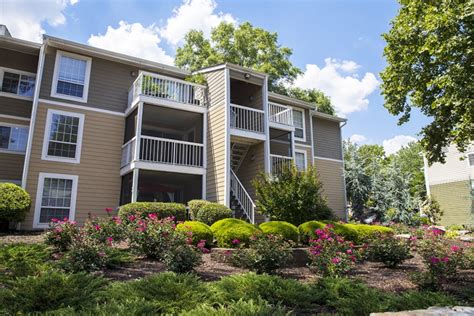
column 280, row 116
column 164, row 154
column 154, row 88
column 247, row 122
column 278, row 163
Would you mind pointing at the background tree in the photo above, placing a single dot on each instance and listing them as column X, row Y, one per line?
column 250, row 47
column 430, row 60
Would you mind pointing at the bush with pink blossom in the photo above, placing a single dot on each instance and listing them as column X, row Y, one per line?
column 330, row 254
column 61, row 233
column 105, row 229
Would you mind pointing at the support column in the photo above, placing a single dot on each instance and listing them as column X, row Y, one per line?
column 135, row 184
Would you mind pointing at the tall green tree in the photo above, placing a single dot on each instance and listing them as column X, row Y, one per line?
column 250, row 47
column 430, row 60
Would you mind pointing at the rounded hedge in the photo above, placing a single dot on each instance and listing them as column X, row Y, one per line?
column 200, row 231
column 194, row 206
column 229, row 229
column 367, row 232
column 209, row 213
column 284, row 229
column 307, row 230
column 14, row 202
column 343, row 230
column 161, row 209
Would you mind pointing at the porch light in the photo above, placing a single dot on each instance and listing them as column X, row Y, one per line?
column 247, row 76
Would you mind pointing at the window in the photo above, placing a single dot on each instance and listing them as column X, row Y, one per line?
column 17, row 82
column 56, row 198
column 298, row 123
column 471, row 160
column 71, row 76
column 63, row 136
column 300, row 160
column 13, row 138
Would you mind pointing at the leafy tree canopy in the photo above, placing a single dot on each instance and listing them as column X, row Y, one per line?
column 250, row 47
column 430, row 66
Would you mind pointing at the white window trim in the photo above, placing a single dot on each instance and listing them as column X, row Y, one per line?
column 39, row 196
column 305, row 153
column 54, row 85
column 18, row 72
column 47, row 131
column 303, row 139
column 10, row 151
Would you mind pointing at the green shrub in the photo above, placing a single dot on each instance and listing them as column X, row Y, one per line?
column 366, row 233
column 194, row 206
column 14, row 202
column 257, row 307
column 200, row 231
column 273, row 289
column 294, row 196
column 129, row 307
column 390, row 251
column 265, row 254
column 286, row 230
column 169, row 292
column 161, row 209
column 210, row 213
column 61, row 234
column 52, row 290
column 181, row 257
column 21, row 260
column 232, row 232
column 308, row 230
column 413, row 300
column 86, row 254
column 348, row 297
column 105, row 229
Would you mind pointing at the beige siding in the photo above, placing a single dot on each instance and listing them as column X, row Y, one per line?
column 252, row 165
column 98, row 172
column 17, row 60
column 11, row 166
column 456, row 201
column 108, row 87
column 216, row 87
column 455, row 169
column 327, row 139
column 15, row 107
column 216, row 155
column 331, row 175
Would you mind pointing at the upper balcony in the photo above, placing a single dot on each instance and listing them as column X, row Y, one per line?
column 162, row 90
column 280, row 116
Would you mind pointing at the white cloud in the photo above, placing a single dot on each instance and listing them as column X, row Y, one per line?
column 132, row 39
column 348, row 93
column 24, row 18
column 193, row 14
column 357, row 138
column 396, row 143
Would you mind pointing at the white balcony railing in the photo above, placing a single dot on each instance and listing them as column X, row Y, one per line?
column 167, row 88
column 247, row 119
column 169, row 151
column 280, row 114
column 242, row 196
column 128, row 152
column 278, row 163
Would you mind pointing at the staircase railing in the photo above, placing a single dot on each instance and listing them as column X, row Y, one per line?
column 242, row 197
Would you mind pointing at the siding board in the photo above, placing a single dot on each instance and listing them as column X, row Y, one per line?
column 327, row 139
column 331, row 174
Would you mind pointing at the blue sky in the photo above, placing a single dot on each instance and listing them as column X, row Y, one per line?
column 337, row 43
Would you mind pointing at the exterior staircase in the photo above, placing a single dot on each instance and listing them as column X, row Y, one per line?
column 239, row 151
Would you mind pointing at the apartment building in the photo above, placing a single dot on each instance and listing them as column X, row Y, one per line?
column 83, row 129
column 452, row 185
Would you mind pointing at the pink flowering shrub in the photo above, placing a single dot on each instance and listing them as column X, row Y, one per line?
column 159, row 239
column 264, row 254
column 105, row 229
column 330, row 254
column 442, row 260
column 86, row 254
column 389, row 250
column 61, row 233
